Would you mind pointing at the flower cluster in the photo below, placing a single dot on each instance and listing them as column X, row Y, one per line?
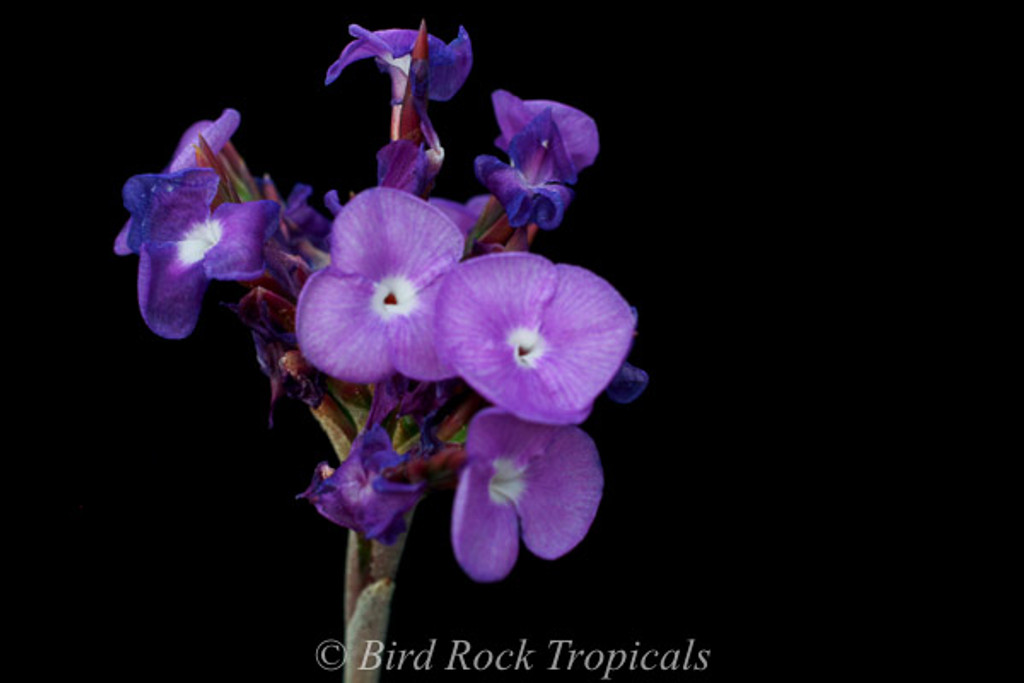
column 440, row 349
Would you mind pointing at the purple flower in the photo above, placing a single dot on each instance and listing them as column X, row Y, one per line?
column 182, row 245
column 531, row 188
column 355, row 496
column 392, row 49
column 578, row 131
column 548, row 143
column 537, row 339
column 538, row 481
column 216, row 133
column 371, row 312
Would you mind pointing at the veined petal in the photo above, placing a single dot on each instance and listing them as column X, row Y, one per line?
column 170, row 291
column 485, row 535
column 543, row 354
column 338, row 330
column 411, row 339
column 561, row 495
column 588, row 328
column 449, row 66
column 165, row 206
column 495, row 433
column 484, row 299
column 238, row 254
column 383, row 232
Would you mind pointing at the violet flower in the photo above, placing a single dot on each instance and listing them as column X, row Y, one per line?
column 531, row 189
column 216, row 133
column 578, row 131
column 371, row 312
column 392, row 49
column 548, row 143
column 541, row 482
column 182, row 245
column 355, row 496
column 537, row 339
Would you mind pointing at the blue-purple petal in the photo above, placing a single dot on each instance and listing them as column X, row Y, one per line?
column 310, row 221
column 538, row 153
column 170, row 291
column 628, row 384
column 216, row 133
column 332, row 202
column 238, row 255
column 449, row 66
column 578, row 130
column 524, row 203
column 351, row 496
column 450, row 63
column 165, row 206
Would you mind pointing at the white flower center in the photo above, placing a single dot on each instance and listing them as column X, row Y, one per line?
column 394, row 296
column 507, row 483
column 201, row 238
column 402, row 63
column 527, row 346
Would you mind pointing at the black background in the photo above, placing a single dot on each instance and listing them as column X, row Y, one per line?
column 179, row 546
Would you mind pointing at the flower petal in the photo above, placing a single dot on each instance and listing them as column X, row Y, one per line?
column 449, row 66
column 578, row 130
column 216, row 133
column 538, row 153
column 495, row 433
column 170, row 291
column 482, row 303
column 337, row 329
column 310, row 221
column 239, row 253
column 449, row 63
column 562, row 492
column 588, row 328
column 367, row 44
column 485, row 535
column 164, row 207
column 121, row 247
column 411, row 339
column 383, row 232
column 628, row 384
